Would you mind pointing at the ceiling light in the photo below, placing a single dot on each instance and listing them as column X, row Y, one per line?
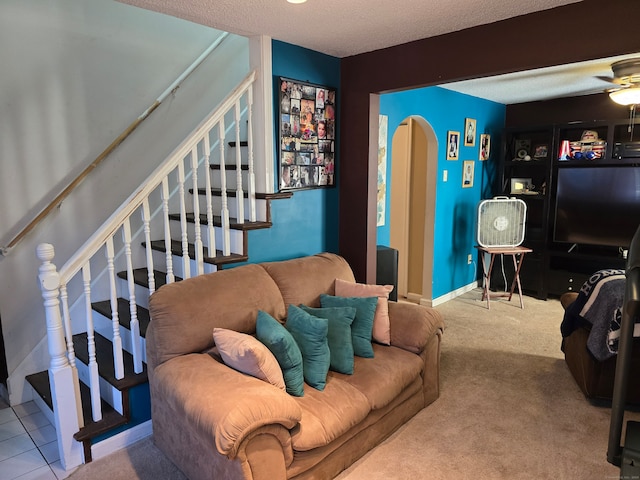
column 626, row 96
column 296, row 1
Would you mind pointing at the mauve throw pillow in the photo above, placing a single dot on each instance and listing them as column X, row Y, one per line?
column 310, row 333
column 381, row 326
column 248, row 355
column 362, row 325
column 280, row 342
column 338, row 336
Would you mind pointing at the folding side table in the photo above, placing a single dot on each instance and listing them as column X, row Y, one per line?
column 514, row 252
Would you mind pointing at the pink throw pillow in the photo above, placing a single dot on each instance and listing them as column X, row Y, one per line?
column 248, row 355
column 381, row 326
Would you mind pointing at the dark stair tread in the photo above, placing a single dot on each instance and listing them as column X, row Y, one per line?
column 217, row 192
column 243, row 143
column 104, row 357
column 124, row 314
column 40, row 383
column 110, row 418
column 219, row 259
column 141, row 277
column 216, row 166
column 217, row 221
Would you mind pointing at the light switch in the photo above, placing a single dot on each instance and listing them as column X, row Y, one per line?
column 445, row 175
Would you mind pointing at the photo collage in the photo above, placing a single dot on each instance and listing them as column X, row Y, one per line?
column 307, row 135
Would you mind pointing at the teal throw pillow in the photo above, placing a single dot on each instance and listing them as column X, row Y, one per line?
column 362, row 326
column 311, row 335
column 280, row 342
column 338, row 336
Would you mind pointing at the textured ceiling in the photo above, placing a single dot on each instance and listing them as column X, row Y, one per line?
column 349, row 27
column 345, row 27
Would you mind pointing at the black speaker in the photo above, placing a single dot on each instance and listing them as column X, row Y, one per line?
column 387, row 269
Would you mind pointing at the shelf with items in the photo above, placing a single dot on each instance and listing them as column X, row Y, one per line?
column 526, row 169
column 597, row 143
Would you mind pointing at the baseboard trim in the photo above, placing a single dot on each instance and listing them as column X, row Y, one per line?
column 121, row 440
column 455, row 293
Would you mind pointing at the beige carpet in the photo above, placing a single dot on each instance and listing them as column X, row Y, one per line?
column 509, row 409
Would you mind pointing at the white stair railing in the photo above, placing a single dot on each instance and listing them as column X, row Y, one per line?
column 145, row 214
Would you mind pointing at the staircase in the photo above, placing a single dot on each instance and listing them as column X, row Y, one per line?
column 191, row 217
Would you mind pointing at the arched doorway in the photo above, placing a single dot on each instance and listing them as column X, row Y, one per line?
column 414, row 167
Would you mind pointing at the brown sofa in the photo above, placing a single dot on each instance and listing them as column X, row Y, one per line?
column 595, row 378
column 214, row 422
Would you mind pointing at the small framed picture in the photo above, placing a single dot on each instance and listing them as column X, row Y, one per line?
column 469, row 132
column 541, row 151
column 453, row 145
column 520, row 185
column 485, row 146
column 467, row 173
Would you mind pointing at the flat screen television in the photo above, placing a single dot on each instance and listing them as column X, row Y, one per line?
column 597, row 205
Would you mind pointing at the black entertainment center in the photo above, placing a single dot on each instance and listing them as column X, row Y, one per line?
column 581, row 184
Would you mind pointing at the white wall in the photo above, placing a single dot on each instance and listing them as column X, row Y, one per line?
column 75, row 74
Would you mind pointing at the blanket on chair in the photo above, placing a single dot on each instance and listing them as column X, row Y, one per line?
column 599, row 308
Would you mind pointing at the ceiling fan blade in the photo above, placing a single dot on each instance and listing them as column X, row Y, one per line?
column 617, row 81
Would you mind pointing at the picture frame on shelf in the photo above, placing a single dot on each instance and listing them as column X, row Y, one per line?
column 485, row 146
column 306, row 147
column 540, row 151
column 468, row 167
column 469, row 132
column 453, row 145
column 520, row 185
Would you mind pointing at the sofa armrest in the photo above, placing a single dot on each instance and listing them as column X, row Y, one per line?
column 219, row 404
column 413, row 325
column 567, row 299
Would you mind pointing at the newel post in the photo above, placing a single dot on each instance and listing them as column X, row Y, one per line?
column 61, row 377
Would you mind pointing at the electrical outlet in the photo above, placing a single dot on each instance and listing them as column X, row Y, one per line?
column 469, row 259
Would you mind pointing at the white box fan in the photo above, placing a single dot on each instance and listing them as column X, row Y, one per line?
column 501, row 222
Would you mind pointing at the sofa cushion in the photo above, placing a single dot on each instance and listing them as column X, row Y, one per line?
column 310, row 333
column 302, row 280
column 185, row 313
column 381, row 330
column 280, row 342
column 338, row 336
column 362, row 325
column 328, row 414
column 248, row 355
column 382, row 378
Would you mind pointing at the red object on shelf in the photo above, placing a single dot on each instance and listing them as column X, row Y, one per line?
column 565, row 151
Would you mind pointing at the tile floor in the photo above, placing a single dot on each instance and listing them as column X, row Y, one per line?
column 28, row 445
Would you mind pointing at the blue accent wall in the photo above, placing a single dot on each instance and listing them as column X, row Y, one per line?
column 307, row 223
column 455, row 215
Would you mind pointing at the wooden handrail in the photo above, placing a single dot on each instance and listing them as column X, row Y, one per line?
column 121, row 138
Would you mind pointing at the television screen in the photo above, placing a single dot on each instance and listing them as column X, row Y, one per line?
column 597, row 205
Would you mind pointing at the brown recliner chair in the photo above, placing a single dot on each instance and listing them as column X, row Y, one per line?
column 595, row 378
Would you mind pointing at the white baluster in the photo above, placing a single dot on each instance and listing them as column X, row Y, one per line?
column 251, row 175
column 196, row 211
column 239, row 189
column 71, row 352
column 118, row 361
column 146, row 219
column 94, row 377
column 183, row 222
column 134, row 326
column 226, row 239
column 65, row 404
column 167, row 230
column 211, row 238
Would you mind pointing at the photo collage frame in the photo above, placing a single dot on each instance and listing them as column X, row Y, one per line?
column 307, row 130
